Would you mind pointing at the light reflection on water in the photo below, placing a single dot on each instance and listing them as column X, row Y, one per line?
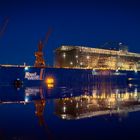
column 49, row 112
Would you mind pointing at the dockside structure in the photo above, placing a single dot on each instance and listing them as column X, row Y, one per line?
column 96, row 58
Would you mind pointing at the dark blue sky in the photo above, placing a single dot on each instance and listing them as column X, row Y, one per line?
column 73, row 22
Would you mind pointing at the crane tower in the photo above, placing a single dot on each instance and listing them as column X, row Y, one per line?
column 39, row 62
column 39, row 56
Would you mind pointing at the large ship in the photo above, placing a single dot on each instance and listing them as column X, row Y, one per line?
column 76, row 65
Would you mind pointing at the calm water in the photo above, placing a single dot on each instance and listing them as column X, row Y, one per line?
column 101, row 111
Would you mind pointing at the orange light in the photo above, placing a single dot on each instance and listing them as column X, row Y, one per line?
column 50, row 80
column 50, row 86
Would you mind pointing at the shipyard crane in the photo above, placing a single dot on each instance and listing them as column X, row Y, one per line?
column 4, row 26
column 40, row 106
column 39, row 62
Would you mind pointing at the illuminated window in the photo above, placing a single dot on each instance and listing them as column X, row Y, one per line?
column 64, row 55
column 81, row 63
column 71, row 63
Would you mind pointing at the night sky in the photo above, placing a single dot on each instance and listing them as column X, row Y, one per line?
column 73, row 22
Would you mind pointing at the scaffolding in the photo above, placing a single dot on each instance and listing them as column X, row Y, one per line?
column 95, row 58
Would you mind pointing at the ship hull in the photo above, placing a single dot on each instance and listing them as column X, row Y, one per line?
column 62, row 76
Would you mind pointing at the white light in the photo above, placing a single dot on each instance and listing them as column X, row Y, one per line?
column 64, row 55
column 76, row 56
column 26, row 99
column 26, row 68
column 135, row 70
column 71, row 63
column 87, row 57
column 130, row 85
column 77, row 105
column 81, row 63
column 120, row 43
column 63, row 116
column 64, row 109
column 136, row 91
column 94, row 72
column 117, row 91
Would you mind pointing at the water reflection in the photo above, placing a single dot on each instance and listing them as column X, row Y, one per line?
column 71, row 102
column 78, row 102
column 97, row 104
column 26, row 96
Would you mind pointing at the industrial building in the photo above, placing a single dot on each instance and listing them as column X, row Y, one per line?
column 96, row 58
